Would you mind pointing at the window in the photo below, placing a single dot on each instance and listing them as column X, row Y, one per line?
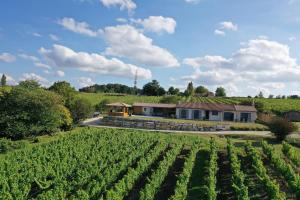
column 245, row 117
column 214, row 112
column 183, row 114
column 197, row 114
column 145, row 109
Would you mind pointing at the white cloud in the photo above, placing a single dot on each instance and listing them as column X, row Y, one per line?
column 85, row 81
column 60, row 73
column 123, row 4
column 122, row 20
column 260, row 63
column 9, row 80
column 28, row 57
column 35, row 34
column 219, row 32
column 64, row 57
column 42, row 65
column 127, row 41
column 53, row 37
column 292, row 38
column 158, row 24
column 32, row 76
column 78, row 27
column 7, row 57
column 225, row 26
column 192, row 1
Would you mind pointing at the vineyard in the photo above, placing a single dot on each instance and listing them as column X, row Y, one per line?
column 273, row 105
column 91, row 163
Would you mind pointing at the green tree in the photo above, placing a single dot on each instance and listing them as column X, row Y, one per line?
column 80, row 109
column 3, row 80
column 173, row 91
column 281, row 127
column 190, row 89
column 64, row 89
column 201, row 90
column 170, row 99
column 153, row 89
column 220, row 92
column 26, row 111
column 29, row 84
column 260, row 94
column 101, row 106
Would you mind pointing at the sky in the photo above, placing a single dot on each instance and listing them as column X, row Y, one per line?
column 243, row 46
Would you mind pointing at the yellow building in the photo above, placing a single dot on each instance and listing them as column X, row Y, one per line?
column 118, row 109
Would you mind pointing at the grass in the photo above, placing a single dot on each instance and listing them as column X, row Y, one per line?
column 232, row 125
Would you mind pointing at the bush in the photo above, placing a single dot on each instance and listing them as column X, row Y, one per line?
column 7, row 145
column 170, row 99
column 100, row 107
column 281, row 127
column 80, row 109
column 29, row 111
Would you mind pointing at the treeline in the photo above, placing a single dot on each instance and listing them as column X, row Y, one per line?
column 28, row 109
column 110, row 88
column 154, row 88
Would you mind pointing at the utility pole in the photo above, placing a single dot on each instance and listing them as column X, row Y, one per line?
column 135, row 82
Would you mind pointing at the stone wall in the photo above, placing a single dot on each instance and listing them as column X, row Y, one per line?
column 158, row 125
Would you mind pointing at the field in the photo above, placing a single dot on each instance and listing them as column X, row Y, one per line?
column 273, row 105
column 90, row 163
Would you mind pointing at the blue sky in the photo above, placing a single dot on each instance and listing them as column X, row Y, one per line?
column 244, row 46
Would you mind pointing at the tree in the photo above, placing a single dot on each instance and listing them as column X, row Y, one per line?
column 3, row 80
column 101, row 106
column 190, row 89
column 64, row 89
column 30, row 84
column 26, row 111
column 220, row 92
column 260, row 94
column 170, row 99
column 80, row 109
column 281, row 127
column 201, row 90
column 258, row 104
column 271, row 96
column 153, row 89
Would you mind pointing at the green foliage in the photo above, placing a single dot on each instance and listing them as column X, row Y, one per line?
column 190, row 89
column 110, row 88
column 153, row 89
column 4, row 89
column 271, row 186
column 258, row 105
column 170, row 99
column 238, row 177
column 291, row 153
column 173, row 91
column 220, row 92
column 29, row 84
column 101, row 106
column 7, row 145
column 283, row 167
column 212, row 171
column 281, row 127
column 201, row 90
column 28, row 111
column 80, row 109
column 3, row 80
column 64, row 89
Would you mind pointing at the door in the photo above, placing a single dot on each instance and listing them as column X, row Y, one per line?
column 245, row 117
column 196, row 114
column 207, row 114
column 228, row 116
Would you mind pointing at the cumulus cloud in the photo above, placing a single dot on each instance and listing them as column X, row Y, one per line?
column 158, row 24
column 35, row 60
column 60, row 73
column 225, row 26
column 85, row 81
column 78, row 27
column 261, row 63
column 32, row 76
column 123, row 4
column 127, row 41
column 7, row 57
column 122, row 20
column 64, row 57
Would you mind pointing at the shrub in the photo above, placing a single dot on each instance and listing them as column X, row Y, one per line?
column 101, row 106
column 281, row 127
column 29, row 111
column 170, row 99
column 7, row 145
column 80, row 109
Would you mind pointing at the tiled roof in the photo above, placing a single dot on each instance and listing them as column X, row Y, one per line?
column 155, row 105
column 118, row 104
column 217, row 107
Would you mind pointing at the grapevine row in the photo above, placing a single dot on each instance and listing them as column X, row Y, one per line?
column 291, row 153
column 212, row 171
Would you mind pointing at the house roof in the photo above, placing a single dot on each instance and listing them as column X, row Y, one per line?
column 217, row 107
column 118, row 104
column 155, row 105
